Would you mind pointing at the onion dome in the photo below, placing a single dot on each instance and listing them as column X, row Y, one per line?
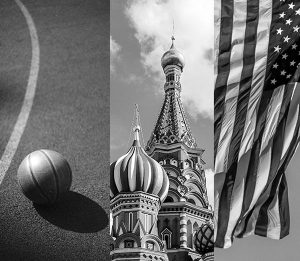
column 136, row 171
column 204, row 239
column 172, row 57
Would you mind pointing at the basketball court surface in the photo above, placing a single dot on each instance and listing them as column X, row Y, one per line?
column 56, row 54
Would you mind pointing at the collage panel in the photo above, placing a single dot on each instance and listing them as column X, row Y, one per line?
column 161, row 139
column 54, row 129
column 256, row 129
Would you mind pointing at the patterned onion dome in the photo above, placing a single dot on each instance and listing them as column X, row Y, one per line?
column 136, row 171
column 172, row 57
column 204, row 239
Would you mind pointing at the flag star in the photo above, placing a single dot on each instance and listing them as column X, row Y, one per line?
column 288, row 76
column 291, row 5
column 298, row 12
column 275, row 65
column 284, row 56
column 296, row 28
column 282, row 15
column 273, row 81
column 283, row 72
column 292, row 63
column 294, row 46
column 277, row 49
column 289, row 21
column 286, row 39
column 279, row 31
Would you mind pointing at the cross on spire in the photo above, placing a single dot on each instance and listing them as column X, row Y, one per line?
column 137, row 118
column 173, row 33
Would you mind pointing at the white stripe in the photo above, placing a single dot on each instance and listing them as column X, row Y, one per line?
column 19, row 127
column 292, row 119
column 159, row 178
column 274, row 225
column 132, row 171
column 148, row 169
column 272, row 116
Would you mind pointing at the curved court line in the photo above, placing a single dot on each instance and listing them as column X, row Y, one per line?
column 19, row 127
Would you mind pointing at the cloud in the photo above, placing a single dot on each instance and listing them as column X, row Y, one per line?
column 115, row 49
column 194, row 33
column 209, row 174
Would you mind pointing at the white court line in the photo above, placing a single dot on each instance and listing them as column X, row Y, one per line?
column 19, row 127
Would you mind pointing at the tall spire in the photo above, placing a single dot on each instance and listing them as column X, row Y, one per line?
column 172, row 126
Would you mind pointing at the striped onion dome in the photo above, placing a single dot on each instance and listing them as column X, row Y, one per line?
column 136, row 171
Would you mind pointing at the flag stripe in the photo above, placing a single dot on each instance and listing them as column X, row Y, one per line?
column 262, row 222
column 270, row 175
column 265, row 17
column 248, row 27
column 223, row 64
column 264, row 159
column 283, row 205
column 259, row 212
column 224, row 52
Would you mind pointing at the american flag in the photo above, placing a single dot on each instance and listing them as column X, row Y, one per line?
column 256, row 115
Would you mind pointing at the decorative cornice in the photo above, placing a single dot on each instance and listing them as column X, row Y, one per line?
column 137, row 254
column 185, row 207
column 134, row 201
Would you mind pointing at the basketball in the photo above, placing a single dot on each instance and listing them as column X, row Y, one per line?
column 44, row 176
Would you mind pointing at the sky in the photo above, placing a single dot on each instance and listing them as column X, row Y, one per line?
column 140, row 34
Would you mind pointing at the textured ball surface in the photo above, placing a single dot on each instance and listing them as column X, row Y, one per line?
column 204, row 239
column 44, row 175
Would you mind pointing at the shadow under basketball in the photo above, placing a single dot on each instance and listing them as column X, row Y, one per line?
column 75, row 212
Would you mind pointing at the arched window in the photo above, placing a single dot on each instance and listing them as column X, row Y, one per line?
column 167, row 237
column 150, row 245
column 169, row 199
column 189, row 234
column 192, row 201
column 128, row 243
column 167, row 240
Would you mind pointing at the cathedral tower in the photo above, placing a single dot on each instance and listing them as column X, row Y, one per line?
column 172, row 144
column 138, row 185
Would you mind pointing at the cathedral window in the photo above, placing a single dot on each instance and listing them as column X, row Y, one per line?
column 130, row 222
column 167, row 237
column 128, row 243
column 169, row 199
column 192, row 201
column 150, row 245
column 167, row 240
column 170, row 77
